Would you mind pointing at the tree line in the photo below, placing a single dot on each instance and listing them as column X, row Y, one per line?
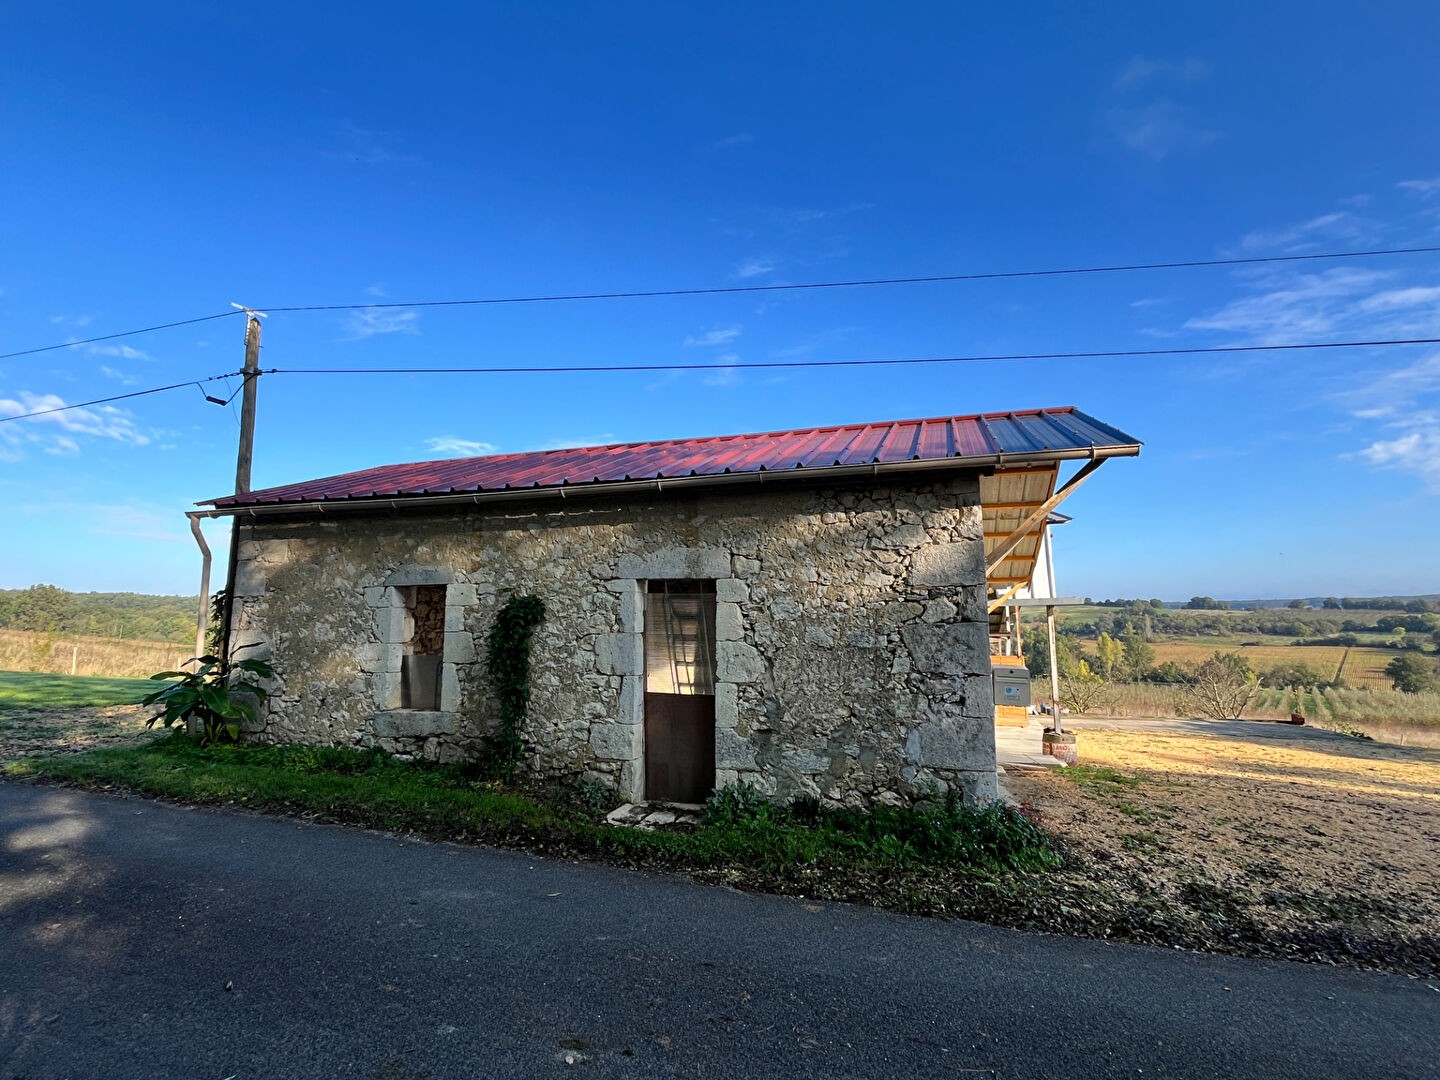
column 1276, row 623
column 1417, row 604
column 47, row 609
column 1129, row 657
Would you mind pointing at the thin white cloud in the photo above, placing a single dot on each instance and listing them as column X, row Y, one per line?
column 119, row 376
column 1405, row 403
column 123, row 352
column 60, row 432
column 369, row 322
column 1423, row 188
column 721, row 336
column 755, row 267
column 1399, row 299
column 1324, row 230
column 77, row 321
column 1161, row 129
column 729, row 142
column 1293, row 307
column 727, row 376
column 1392, row 392
column 1417, row 453
column 377, row 291
column 450, row 445
column 807, row 216
column 1141, row 70
column 369, row 146
column 823, row 339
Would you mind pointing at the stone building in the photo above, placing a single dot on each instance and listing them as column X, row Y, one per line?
column 804, row 611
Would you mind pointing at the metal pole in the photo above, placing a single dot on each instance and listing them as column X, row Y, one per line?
column 1054, row 668
column 202, row 617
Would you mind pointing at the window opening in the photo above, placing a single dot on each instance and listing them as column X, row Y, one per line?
column 424, row 647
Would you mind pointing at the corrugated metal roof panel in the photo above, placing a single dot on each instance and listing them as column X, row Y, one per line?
column 936, row 439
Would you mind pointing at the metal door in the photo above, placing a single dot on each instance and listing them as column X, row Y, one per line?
column 680, row 691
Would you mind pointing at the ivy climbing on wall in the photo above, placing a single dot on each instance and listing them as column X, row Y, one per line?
column 509, row 665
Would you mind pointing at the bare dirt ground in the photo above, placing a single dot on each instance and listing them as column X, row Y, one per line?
column 1317, row 848
column 28, row 731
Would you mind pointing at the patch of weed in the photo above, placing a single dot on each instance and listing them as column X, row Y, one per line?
column 1099, row 779
column 1142, row 842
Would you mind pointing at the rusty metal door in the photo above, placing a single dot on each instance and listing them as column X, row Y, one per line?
column 680, row 691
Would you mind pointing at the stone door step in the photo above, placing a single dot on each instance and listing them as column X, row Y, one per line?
column 655, row 816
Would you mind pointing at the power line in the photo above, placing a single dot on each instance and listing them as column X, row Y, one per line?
column 742, row 289
column 120, row 334
column 118, row 397
column 986, row 276
column 1118, row 354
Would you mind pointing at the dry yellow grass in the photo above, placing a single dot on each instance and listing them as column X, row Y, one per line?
column 21, row 650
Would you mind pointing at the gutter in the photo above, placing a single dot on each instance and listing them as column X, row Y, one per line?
column 725, row 480
column 203, row 613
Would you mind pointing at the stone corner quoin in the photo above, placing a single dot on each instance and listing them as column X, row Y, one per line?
column 851, row 649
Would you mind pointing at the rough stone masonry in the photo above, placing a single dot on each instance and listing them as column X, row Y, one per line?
column 852, row 655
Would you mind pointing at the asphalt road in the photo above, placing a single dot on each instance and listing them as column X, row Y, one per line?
column 144, row 940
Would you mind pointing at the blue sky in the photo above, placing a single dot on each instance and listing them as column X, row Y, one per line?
column 160, row 164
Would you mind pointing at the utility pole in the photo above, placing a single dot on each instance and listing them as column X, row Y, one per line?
column 243, row 456
column 249, row 390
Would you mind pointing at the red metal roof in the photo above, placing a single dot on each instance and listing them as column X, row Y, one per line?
column 1035, row 433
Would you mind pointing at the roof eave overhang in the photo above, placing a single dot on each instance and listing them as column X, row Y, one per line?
column 678, row 483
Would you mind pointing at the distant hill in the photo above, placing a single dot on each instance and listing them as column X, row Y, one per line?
column 1417, row 603
column 134, row 616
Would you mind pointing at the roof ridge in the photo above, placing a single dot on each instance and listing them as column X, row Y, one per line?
column 972, row 437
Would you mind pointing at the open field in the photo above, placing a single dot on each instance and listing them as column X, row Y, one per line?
column 1388, row 715
column 1323, row 845
column 65, row 654
column 29, row 689
column 1359, row 666
column 61, row 714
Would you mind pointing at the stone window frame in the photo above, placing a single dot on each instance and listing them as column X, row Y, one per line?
column 391, row 611
column 623, row 654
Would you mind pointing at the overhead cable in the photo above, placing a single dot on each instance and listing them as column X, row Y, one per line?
column 862, row 282
column 122, row 397
column 118, row 334
column 1118, row 354
column 580, row 369
column 1255, row 260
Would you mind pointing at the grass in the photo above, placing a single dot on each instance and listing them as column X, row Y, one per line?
column 744, row 836
column 22, row 650
column 32, row 690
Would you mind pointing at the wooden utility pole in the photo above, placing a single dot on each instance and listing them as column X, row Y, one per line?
column 251, row 376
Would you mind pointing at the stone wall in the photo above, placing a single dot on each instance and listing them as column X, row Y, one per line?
column 852, row 660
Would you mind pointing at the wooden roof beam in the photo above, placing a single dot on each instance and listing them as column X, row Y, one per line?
column 999, row 601
column 1038, row 515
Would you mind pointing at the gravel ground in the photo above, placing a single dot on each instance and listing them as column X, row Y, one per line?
column 1334, row 837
